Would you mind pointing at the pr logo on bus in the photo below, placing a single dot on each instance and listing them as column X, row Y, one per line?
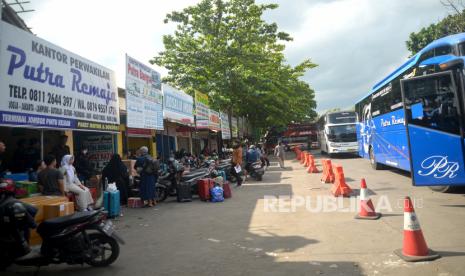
column 439, row 167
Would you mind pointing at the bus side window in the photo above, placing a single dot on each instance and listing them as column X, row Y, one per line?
column 432, row 104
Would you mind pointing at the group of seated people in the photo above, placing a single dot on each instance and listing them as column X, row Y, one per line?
column 53, row 181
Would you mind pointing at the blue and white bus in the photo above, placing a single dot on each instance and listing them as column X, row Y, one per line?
column 429, row 141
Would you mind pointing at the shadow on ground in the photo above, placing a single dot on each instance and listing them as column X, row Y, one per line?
column 201, row 238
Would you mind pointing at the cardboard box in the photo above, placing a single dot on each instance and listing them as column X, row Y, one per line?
column 130, row 165
column 58, row 210
column 34, row 239
column 40, row 201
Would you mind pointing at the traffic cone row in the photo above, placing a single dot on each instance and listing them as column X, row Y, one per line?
column 414, row 245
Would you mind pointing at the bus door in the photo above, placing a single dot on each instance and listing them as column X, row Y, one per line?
column 435, row 130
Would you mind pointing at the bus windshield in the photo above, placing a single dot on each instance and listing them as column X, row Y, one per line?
column 341, row 118
column 342, row 133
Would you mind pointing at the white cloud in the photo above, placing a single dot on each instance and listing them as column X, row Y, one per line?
column 105, row 30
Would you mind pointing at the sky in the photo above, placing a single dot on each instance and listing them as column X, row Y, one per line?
column 354, row 42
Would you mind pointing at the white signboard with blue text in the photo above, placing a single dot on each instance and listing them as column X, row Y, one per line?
column 44, row 85
column 225, row 130
column 144, row 99
column 177, row 105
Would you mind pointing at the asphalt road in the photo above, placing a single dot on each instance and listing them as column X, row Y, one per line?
column 251, row 235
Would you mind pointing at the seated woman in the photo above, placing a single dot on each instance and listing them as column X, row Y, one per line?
column 73, row 185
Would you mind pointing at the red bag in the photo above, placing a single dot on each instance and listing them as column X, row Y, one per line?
column 204, row 186
column 135, row 202
column 93, row 192
column 227, row 190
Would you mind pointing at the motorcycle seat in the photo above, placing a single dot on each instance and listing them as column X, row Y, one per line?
column 54, row 225
column 193, row 175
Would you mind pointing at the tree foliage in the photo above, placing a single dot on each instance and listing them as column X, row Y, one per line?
column 225, row 48
column 452, row 24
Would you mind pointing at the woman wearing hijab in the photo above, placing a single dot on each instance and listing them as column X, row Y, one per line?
column 116, row 171
column 73, row 185
column 147, row 179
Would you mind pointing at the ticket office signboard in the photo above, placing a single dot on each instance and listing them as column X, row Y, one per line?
column 44, row 85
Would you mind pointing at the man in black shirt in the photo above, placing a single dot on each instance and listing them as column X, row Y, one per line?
column 50, row 179
column 61, row 149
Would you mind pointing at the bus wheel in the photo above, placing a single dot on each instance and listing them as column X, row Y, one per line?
column 375, row 165
column 443, row 189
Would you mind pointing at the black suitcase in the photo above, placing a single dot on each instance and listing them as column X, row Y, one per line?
column 183, row 192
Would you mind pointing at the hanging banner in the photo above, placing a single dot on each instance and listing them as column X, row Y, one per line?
column 144, row 99
column 44, row 85
column 202, row 110
column 178, row 106
column 214, row 121
column 225, row 130
column 235, row 130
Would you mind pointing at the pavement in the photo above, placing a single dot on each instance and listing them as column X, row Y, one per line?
column 304, row 232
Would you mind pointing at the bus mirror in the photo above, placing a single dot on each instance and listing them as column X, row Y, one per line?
column 458, row 62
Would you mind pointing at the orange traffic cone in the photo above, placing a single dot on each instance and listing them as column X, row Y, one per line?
column 328, row 174
column 367, row 211
column 311, row 165
column 414, row 248
column 307, row 159
column 302, row 157
column 297, row 153
column 340, row 187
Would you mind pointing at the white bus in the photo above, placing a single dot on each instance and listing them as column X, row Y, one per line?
column 337, row 132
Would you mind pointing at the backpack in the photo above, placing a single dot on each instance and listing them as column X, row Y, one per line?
column 151, row 166
column 216, row 194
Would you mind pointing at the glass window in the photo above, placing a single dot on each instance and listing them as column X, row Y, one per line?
column 431, row 103
column 382, row 99
column 342, row 118
column 342, row 133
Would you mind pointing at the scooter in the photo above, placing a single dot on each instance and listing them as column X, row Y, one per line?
column 256, row 170
column 84, row 237
column 168, row 180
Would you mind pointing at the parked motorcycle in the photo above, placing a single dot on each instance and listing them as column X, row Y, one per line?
column 256, row 170
column 168, row 180
column 84, row 237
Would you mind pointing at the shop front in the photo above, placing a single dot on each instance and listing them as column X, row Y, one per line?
column 52, row 104
column 179, row 118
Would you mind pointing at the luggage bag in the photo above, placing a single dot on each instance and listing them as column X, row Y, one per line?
column 183, row 192
column 227, row 190
column 204, row 185
column 111, row 203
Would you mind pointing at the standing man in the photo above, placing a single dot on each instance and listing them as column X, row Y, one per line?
column 237, row 162
column 279, row 152
column 61, row 149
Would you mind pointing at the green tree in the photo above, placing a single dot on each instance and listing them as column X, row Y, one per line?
column 226, row 49
column 452, row 24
